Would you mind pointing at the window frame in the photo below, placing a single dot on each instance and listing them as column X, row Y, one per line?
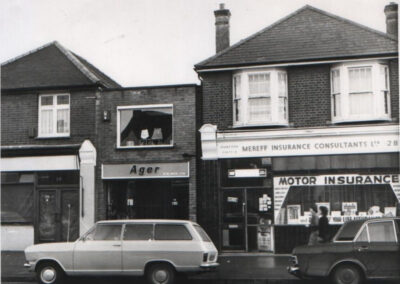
column 380, row 88
column 276, row 119
column 119, row 108
column 54, row 107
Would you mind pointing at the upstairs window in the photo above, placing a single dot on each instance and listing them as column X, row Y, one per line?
column 54, row 118
column 360, row 92
column 260, row 98
column 145, row 126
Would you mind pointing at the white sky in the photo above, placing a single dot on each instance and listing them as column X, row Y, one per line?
column 151, row 42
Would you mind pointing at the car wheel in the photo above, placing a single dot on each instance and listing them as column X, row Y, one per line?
column 49, row 273
column 347, row 274
column 160, row 273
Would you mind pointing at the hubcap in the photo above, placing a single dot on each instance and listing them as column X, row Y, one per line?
column 160, row 276
column 48, row 275
column 348, row 276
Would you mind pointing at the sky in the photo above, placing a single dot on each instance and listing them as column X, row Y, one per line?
column 152, row 42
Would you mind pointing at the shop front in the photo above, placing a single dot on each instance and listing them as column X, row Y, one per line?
column 147, row 190
column 268, row 180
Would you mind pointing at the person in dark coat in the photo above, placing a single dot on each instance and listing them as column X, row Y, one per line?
column 323, row 225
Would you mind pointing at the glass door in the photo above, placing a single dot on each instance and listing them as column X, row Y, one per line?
column 48, row 217
column 234, row 220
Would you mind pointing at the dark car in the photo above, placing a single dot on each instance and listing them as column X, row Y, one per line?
column 361, row 249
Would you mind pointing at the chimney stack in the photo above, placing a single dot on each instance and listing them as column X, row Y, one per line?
column 222, row 28
column 391, row 19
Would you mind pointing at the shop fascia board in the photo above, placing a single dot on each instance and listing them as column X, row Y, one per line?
column 308, row 132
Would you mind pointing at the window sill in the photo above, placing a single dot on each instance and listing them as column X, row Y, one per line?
column 52, row 137
column 145, row 147
column 349, row 120
column 283, row 124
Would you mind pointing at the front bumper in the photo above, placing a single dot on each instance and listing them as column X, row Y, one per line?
column 294, row 270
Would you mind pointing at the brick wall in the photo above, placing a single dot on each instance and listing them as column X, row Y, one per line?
column 185, row 134
column 19, row 114
column 394, row 88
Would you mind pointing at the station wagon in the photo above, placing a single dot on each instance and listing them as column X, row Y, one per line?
column 157, row 249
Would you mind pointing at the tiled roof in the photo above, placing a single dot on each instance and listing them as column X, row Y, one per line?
column 51, row 65
column 307, row 34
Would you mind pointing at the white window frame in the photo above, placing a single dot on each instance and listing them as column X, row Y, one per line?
column 54, row 107
column 378, row 92
column 276, row 118
column 119, row 108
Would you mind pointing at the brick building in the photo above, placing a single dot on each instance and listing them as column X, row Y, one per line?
column 48, row 145
column 147, row 152
column 304, row 112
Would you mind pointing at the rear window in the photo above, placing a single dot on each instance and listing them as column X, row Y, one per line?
column 171, row 232
column 138, row 232
column 349, row 231
column 202, row 233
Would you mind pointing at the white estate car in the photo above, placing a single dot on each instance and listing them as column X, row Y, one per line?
column 155, row 248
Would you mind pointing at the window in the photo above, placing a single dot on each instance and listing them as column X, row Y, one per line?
column 108, row 232
column 138, row 232
column 54, row 115
column 381, row 232
column 171, row 232
column 363, row 236
column 145, row 126
column 202, row 233
column 260, row 98
column 349, row 230
column 360, row 91
column 17, row 203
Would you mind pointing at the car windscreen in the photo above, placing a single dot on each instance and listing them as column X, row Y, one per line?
column 349, row 230
column 202, row 233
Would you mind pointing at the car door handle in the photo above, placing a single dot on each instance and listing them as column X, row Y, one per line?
column 116, row 245
column 362, row 248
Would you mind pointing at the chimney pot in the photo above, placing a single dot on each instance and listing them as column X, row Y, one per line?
column 222, row 17
column 391, row 12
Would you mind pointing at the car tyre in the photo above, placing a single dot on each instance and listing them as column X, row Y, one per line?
column 347, row 274
column 49, row 273
column 160, row 273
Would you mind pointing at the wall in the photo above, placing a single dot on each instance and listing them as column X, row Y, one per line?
column 16, row 237
column 185, row 127
column 19, row 114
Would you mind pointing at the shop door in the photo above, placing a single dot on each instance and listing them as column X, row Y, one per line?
column 58, row 218
column 247, row 220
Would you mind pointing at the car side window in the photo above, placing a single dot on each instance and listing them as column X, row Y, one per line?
column 381, row 232
column 108, row 232
column 138, row 232
column 363, row 236
column 171, row 232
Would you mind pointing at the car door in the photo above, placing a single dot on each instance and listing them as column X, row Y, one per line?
column 137, row 244
column 377, row 247
column 100, row 251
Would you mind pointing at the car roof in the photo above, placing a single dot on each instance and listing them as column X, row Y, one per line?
column 161, row 221
column 373, row 219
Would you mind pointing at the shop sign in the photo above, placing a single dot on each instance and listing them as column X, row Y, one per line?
column 284, row 183
column 145, row 170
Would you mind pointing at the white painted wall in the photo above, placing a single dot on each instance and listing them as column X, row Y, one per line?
column 14, row 237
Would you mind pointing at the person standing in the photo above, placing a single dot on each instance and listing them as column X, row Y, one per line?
column 323, row 225
column 313, row 239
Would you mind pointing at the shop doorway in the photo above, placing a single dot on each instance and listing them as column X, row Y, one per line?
column 247, row 220
column 148, row 199
column 58, row 218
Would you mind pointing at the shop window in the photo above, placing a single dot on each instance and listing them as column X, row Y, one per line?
column 171, row 233
column 344, row 202
column 138, row 232
column 381, row 232
column 360, row 91
column 17, row 203
column 107, row 232
column 145, row 126
column 260, row 98
column 54, row 118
